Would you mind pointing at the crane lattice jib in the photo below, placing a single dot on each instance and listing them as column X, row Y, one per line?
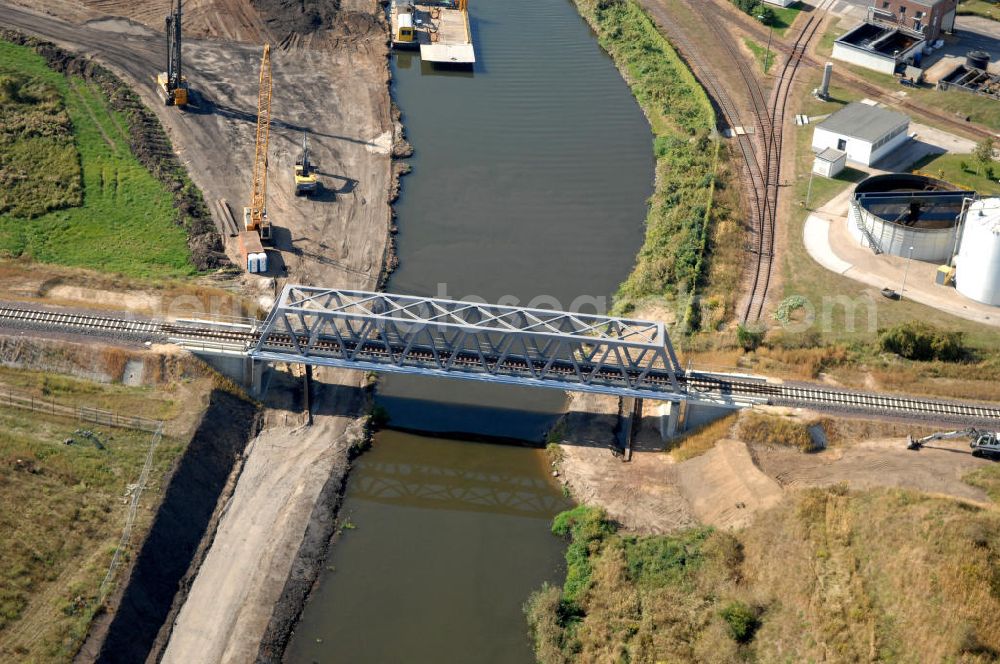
column 258, row 193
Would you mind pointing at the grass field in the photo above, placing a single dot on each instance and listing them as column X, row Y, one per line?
column 828, row 575
column 949, row 167
column 126, row 223
column 62, row 510
column 39, row 164
column 984, row 8
column 784, row 17
column 764, row 58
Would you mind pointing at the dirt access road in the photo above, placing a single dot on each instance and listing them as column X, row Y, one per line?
column 332, row 85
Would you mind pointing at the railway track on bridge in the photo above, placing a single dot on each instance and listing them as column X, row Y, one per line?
column 692, row 383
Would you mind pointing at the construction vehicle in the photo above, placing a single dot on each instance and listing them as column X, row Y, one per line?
column 255, row 215
column 171, row 85
column 984, row 443
column 306, row 183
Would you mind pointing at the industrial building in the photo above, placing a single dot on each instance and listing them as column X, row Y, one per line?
column 973, row 76
column 977, row 265
column 866, row 133
column 896, row 33
column 903, row 214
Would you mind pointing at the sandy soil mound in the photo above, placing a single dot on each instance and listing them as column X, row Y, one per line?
column 723, row 486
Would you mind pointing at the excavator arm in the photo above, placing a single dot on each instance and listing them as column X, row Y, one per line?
column 917, row 443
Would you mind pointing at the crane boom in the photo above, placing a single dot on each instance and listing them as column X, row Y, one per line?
column 255, row 215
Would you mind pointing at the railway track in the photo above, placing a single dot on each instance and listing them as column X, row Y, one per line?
column 386, row 351
column 768, row 227
column 752, row 147
column 760, row 151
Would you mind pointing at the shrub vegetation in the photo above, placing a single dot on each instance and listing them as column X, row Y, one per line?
column 773, row 430
column 672, row 261
column 826, row 575
column 917, row 341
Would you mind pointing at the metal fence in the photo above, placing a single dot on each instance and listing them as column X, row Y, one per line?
column 80, row 413
column 106, row 418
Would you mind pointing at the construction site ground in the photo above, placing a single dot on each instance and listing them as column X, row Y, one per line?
column 727, row 485
column 332, row 86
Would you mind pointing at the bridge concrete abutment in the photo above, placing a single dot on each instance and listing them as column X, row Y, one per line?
column 242, row 369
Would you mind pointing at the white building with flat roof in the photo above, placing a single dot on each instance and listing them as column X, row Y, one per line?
column 866, row 133
column 829, row 162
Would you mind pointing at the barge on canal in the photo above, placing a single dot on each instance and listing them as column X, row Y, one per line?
column 439, row 29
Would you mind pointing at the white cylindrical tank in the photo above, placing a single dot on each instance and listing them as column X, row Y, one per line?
column 977, row 267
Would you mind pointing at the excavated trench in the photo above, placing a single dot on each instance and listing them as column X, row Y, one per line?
column 158, row 577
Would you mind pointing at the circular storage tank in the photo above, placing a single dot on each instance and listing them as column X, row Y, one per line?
column 977, row 268
column 977, row 59
column 893, row 212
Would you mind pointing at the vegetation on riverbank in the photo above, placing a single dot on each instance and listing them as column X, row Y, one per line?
column 683, row 220
column 62, row 510
column 828, row 573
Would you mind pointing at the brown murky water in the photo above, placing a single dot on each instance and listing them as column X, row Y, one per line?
column 446, row 540
column 529, row 184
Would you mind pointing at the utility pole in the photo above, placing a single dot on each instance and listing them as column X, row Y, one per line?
column 770, row 30
column 905, row 271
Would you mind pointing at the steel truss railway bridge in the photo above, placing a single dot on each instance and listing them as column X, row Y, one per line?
column 426, row 336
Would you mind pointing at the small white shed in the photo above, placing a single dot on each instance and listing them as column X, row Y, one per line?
column 866, row 133
column 829, row 162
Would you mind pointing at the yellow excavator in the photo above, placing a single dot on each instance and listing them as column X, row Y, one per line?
column 255, row 214
column 171, row 85
column 306, row 183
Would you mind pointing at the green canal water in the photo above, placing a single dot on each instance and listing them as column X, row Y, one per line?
column 446, row 539
column 529, row 186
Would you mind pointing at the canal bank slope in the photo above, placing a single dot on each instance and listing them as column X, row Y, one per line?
column 335, row 89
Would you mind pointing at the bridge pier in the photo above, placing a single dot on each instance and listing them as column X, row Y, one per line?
column 671, row 420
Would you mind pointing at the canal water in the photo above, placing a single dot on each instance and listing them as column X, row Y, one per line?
column 445, row 541
column 529, row 186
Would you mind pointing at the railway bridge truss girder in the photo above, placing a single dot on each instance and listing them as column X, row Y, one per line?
column 461, row 339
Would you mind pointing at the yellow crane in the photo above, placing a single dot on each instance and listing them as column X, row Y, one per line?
column 255, row 214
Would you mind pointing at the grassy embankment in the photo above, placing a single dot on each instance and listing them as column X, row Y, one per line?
column 765, row 59
column 688, row 219
column 92, row 205
column 985, row 8
column 62, row 509
column 827, row 575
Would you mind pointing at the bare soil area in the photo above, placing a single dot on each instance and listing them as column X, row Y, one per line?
column 732, row 481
